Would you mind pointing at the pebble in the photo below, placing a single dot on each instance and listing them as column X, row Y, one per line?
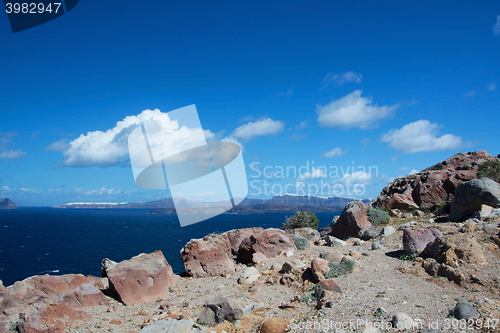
column 464, row 310
column 376, row 246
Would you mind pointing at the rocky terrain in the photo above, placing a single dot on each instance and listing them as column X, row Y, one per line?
column 7, row 204
column 421, row 271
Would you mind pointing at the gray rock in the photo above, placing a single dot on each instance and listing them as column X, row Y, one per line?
column 334, row 241
column 373, row 232
column 415, row 240
column 431, row 220
column 469, row 196
column 490, row 226
column 170, row 325
column 376, row 246
column 388, row 230
column 403, row 322
column 231, row 309
column 464, row 310
column 407, row 225
column 292, row 265
column 308, row 233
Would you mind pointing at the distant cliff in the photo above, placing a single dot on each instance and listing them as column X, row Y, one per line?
column 7, row 204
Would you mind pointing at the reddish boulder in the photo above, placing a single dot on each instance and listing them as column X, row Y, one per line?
column 415, row 240
column 275, row 325
column 353, row 222
column 456, row 250
column 141, row 279
column 52, row 318
column 270, row 242
column 209, row 256
column 238, row 235
column 319, row 267
column 433, row 186
column 329, row 285
column 72, row 289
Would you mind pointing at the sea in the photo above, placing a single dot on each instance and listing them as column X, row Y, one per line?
column 37, row 241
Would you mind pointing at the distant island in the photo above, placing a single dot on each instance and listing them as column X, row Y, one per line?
column 7, row 204
column 279, row 204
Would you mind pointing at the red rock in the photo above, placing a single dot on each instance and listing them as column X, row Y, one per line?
column 353, row 221
column 319, row 267
column 238, row 235
column 329, row 285
column 274, row 325
column 53, row 318
column 141, row 279
column 456, row 250
column 270, row 242
column 415, row 240
column 72, row 289
column 431, row 188
column 258, row 257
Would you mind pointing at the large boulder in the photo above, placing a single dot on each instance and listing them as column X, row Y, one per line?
column 415, row 240
column 469, row 196
column 74, row 290
column 238, row 235
column 456, row 250
column 209, row 256
column 141, row 279
column 353, row 221
column 50, row 318
column 433, row 186
column 270, row 242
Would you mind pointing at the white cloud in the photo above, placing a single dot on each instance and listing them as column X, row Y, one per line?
column 421, row 136
column 491, row 87
column 296, row 137
column 394, row 158
column 385, row 179
column 348, row 76
column 316, row 173
column 355, row 178
column 496, row 27
column 301, row 125
column 413, row 171
column 470, row 93
column 353, row 111
column 335, row 152
column 261, row 127
column 9, row 154
column 60, row 145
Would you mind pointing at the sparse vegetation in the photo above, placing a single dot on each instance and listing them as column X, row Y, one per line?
column 378, row 216
column 408, row 256
column 489, row 169
column 301, row 220
column 445, row 207
column 341, row 268
column 300, row 242
column 435, row 167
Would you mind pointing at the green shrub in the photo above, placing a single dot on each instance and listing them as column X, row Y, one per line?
column 489, row 169
column 342, row 268
column 445, row 206
column 435, row 167
column 300, row 242
column 378, row 216
column 301, row 220
column 408, row 256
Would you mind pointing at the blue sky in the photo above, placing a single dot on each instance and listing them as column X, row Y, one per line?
column 394, row 85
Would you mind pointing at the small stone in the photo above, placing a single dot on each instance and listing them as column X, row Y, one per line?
column 284, row 305
column 376, row 246
column 274, row 325
column 333, row 256
column 115, row 322
column 388, row 230
column 292, row 265
column 464, row 310
column 431, row 220
column 355, row 254
column 269, row 280
column 469, row 227
column 287, row 279
column 334, row 241
column 489, row 301
column 402, row 321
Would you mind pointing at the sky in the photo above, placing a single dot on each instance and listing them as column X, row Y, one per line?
column 351, row 94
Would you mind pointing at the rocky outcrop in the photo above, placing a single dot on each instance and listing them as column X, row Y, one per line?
column 141, row 279
column 353, row 221
column 433, row 186
column 7, row 204
column 270, row 242
column 456, row 250
column 238, row 235
column 209, row 256
column 310, row 234
column 415, row 240
column 469, row 196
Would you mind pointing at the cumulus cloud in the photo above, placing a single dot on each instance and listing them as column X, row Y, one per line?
column 335, row 152
column 496, row 27
column 257, row 128
column 353, row 111
column 316, row 173
column 355, row 178
column 340, row 79
column 413, row 171
column 491, row 87
column 421, row 136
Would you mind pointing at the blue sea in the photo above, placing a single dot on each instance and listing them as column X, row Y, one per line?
column 61, row 241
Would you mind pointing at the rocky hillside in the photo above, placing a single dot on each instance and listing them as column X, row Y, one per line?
column 434, row 186
column 7, row 204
